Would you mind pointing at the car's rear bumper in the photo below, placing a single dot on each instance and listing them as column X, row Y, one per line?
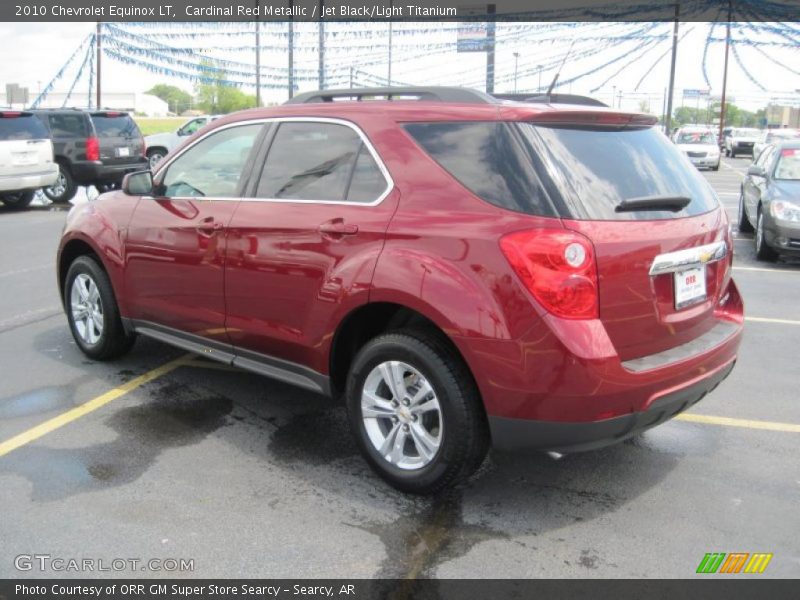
column 556, row 436
column 91, row 172
column 705, row 162
column 30, row 181
column 567, row 379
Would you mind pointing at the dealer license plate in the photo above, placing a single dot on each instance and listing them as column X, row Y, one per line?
column 690, row 287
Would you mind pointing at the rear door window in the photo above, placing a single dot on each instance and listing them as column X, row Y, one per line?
column 21, row 127
column 323, row 162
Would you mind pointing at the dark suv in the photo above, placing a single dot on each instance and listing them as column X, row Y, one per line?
column 462, row 271
column 92, row 148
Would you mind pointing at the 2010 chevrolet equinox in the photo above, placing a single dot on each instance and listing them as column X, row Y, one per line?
column 465, row 271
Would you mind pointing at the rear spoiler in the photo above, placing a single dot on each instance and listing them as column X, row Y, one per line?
column 586, row 118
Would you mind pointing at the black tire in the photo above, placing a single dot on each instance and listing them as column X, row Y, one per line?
column 745, row 226
column 715, row 167
column 102, row 188
column 54, row 192
column 155, row 155
column 733, row 153
column 113, row 341
column 18, row 200
column 464, row 434
column 763, row 250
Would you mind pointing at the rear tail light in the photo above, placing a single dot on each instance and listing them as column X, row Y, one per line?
column 92, row 148
column 558, row 267
column 10, row 114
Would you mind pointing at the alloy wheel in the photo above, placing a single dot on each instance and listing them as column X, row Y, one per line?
column 87, row 309
column 401, row 415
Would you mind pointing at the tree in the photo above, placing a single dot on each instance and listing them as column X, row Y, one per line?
column 177, row 99
column 219, row 98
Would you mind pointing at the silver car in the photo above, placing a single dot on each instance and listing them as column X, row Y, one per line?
column 160, row 144
column 741, row 141
column 773, row 136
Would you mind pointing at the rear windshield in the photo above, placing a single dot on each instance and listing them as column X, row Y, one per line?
column 115, row 126
column 68, row 125
column 569, row 172
column 25, row 127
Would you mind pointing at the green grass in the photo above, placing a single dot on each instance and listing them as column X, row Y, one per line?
column 151, row 125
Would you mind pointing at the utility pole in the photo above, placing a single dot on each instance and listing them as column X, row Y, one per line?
column 321, row 47
column 351, row 77
column 258, row 54
column 490, row 41
column 725, row 71
column 539, row 67
column 98, row 41
column 516, row 65
column 389, row 70
column 668, row 117
column 291, row 50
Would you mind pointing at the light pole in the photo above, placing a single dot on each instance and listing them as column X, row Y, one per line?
column 539, row 89
column 516, row 65
column 613, row 96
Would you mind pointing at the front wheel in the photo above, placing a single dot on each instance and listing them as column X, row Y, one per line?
column 92, row 311
column 763, row 251
column 18, row 200
column 415, row 412
column 155, row 156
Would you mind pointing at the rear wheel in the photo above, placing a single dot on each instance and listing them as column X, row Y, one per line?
column 415, row 412
column 763, row 251
column 64, row 189
column 92, row 311
column 744, row 223
column 17, row 200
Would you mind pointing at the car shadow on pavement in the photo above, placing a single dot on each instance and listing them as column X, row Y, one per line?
column 305, row 438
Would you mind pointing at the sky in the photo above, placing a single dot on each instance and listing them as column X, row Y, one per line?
column 40, row 50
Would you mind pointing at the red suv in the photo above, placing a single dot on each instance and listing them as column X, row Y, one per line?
column 464, row 271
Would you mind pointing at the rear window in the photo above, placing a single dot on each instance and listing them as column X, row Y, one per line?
column 598, row 169
column 114, row 125
column 25, row 127
column 569, row 172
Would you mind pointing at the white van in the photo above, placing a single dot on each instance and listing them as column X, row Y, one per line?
column 26, row 158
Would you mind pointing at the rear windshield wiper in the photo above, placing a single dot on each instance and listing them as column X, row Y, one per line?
column 673, row 203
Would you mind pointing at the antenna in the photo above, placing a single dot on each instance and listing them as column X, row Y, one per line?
column 555, row 79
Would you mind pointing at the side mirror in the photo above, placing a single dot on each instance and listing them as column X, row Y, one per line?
column 756, row 171
column 138, row 184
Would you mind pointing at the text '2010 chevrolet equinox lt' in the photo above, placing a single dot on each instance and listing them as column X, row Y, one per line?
column 463, row 271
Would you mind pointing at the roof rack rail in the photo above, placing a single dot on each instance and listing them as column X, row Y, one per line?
column 429, row 93
column 543, row 98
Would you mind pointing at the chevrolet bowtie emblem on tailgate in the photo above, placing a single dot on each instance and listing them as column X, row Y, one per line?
column 681, row 259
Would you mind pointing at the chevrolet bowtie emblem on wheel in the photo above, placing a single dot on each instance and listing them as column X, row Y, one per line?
column 735, row 562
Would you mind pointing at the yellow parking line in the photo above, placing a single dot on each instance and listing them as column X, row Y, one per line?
column 746, row 423
column 766, row 320
column 35, row 433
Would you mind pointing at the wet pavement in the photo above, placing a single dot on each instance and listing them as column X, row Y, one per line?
column 252, row 478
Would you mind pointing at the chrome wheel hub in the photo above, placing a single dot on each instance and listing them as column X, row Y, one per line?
column 401, row 415
column 87, row 309
column 60, row 186
column 155, row 158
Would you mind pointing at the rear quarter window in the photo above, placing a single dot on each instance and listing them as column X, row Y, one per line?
column 115, row 126
column 489, row 160
column 68, row 125
column 26, row 127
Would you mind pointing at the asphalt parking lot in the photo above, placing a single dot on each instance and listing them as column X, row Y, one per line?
column 251, row 478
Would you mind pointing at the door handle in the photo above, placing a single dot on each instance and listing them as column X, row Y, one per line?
column 209, row 224
column 338, row 227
